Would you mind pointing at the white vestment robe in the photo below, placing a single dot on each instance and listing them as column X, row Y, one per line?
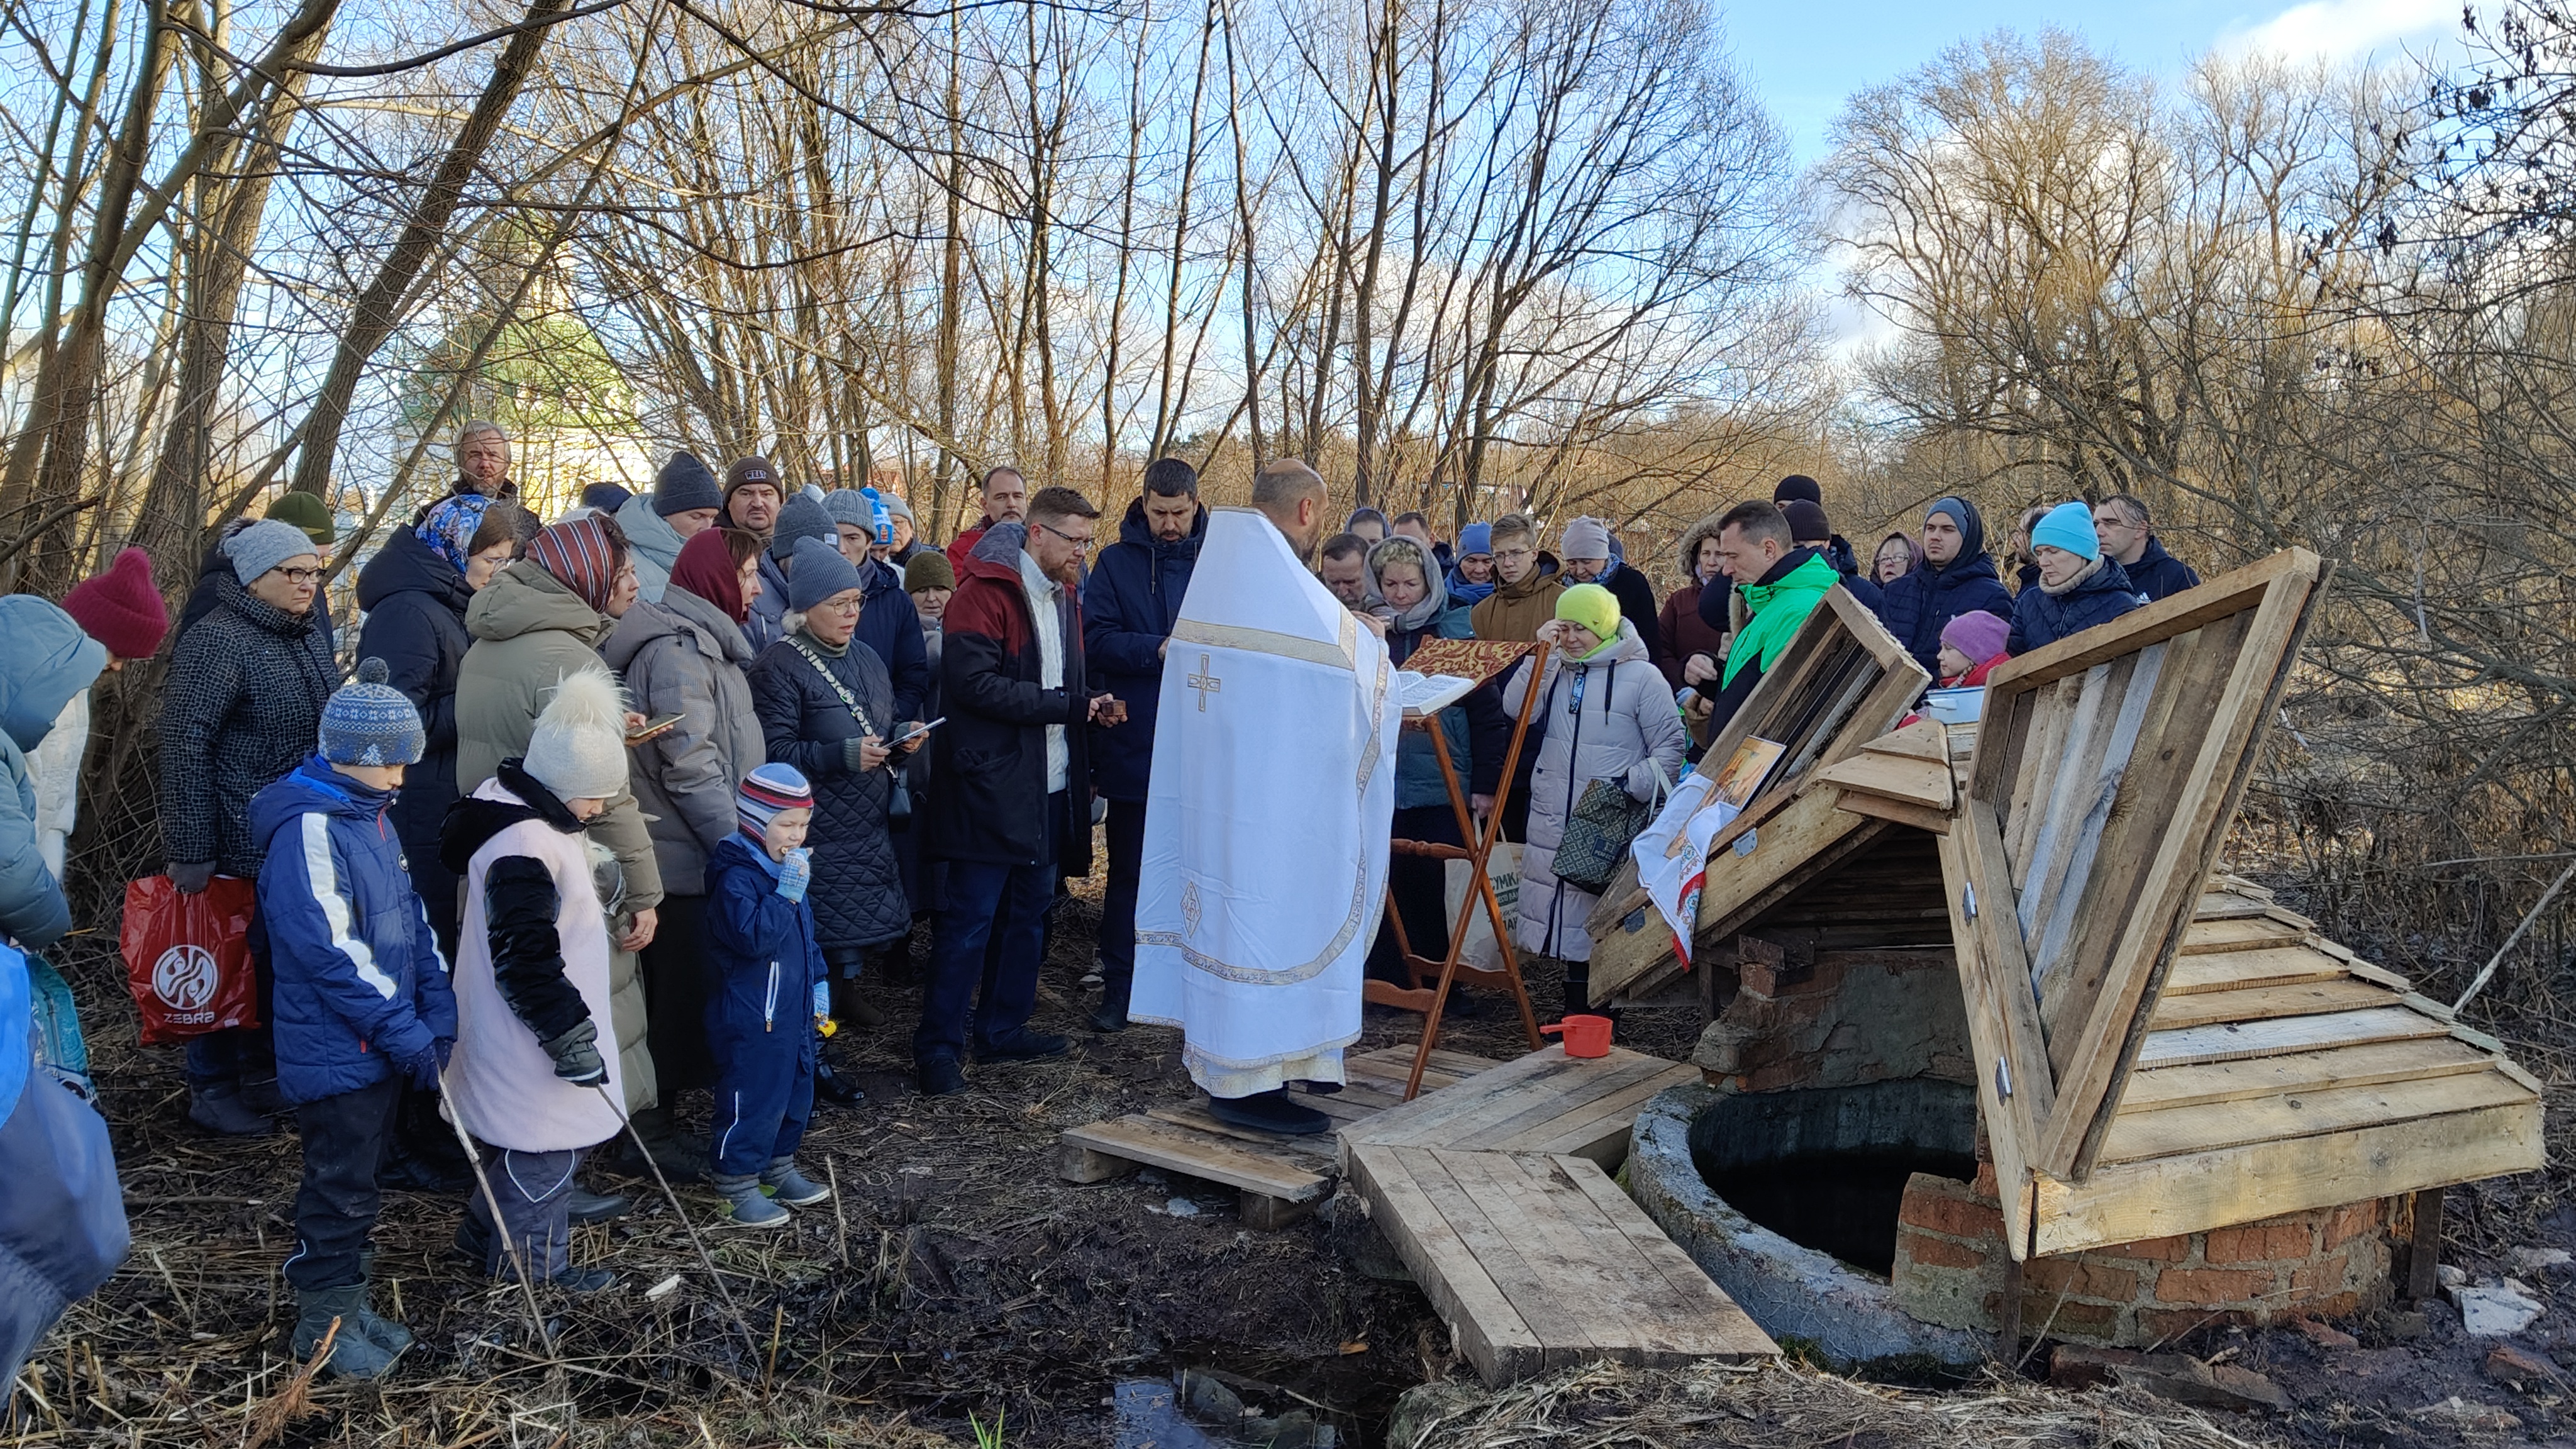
column 1267, row 820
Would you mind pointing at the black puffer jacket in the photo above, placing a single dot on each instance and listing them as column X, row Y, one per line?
column 858, row 891
column 242, row 706
column 415, row 622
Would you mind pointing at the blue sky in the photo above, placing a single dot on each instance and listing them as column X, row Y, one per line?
column 1804, row 59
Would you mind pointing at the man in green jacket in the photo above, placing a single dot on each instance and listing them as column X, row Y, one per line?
column 1777, row 585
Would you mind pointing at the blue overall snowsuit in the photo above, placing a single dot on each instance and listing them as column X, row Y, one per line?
column 765, row 967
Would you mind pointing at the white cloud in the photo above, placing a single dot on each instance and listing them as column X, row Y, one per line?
column 2341, row 30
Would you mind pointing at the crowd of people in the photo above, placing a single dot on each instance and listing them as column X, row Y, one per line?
column 652, row 799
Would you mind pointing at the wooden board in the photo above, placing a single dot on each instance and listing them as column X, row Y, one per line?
column 2237, row 970
column 2247, row 934
column 1280, row 1179
column 2235, row 1041
column 1926, row 783
column 1840, row 682
column 2264, row 1003
column 1539, row 1262
column 2132, row 1201
column 2175, row 1131
column 1545, row 1102
column 2420, row 1059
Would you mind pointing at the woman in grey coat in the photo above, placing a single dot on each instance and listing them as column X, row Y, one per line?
column 1609, row 716
column 685, row 656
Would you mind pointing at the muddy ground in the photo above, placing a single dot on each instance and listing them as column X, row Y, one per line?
column 961, row 1283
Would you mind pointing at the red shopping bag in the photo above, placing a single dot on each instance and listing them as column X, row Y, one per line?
column 187, row 958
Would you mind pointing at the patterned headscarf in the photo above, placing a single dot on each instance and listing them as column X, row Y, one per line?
column 450, row 528
column 577, row 552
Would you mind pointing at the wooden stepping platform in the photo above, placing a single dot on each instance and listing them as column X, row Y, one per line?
column 1539, row 1261
column 1280, row 1179
column 1546, row 1103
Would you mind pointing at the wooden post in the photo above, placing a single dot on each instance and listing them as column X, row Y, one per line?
column 2426, row 1253
column 2008, row 1315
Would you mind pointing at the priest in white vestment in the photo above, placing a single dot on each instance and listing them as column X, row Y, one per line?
column 1268, row 814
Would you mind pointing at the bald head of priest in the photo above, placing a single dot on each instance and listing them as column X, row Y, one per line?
column 1292, row 496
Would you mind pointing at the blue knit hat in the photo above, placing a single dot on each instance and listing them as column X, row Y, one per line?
column 2068, row 526
column 1475, row 538
column 370, row 722
column 767, row 791
column 816, row 572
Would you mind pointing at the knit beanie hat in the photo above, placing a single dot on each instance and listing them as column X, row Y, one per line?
column 895, row 507
column 120, row 608
column 1798, row 486
column 1586, row 538
column 1977, row 634
column 1593, row 607
column 685, row 484
column 578, row 749
column 1807, row 521
column 1476, row 538
column 817, row 572
column 800, row 517
column 853, row 506
column 928, row 570
column 578, row 554
column 606, row 497
column 2068, row 526
column 263, row 546
column 308, row 512
column 747, row 471
column 767, row 791
column 369, row 722
column 706, row 568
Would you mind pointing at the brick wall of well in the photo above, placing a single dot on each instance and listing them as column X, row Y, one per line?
column 1839, row 1019
column 1950, row 1257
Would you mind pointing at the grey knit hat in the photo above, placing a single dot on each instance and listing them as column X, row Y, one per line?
column 369, row 722
column 817, row 573
column 263, row 546
column 1586, row 538
column 799, row 517
column 685, row 484
column 850, row 506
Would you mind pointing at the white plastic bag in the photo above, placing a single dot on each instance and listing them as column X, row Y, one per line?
column 1503, row 868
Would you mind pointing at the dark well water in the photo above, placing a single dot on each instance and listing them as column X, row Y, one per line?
column 1826, row 1167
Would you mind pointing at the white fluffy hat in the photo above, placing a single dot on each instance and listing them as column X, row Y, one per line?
column 579, row 747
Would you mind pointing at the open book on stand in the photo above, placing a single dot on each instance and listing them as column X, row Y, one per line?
column 1427, row 694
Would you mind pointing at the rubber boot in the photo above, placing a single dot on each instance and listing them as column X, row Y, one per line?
column 353, row 1354
column 1578, row 986
column 386, row 1334
column 747, row 1206
column 218, row 1107
column 787, row 1185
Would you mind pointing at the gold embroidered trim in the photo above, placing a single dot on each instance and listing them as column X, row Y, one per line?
column 1272, row 642
column 1227, row 971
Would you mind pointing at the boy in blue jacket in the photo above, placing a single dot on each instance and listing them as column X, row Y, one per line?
column 362, row 1003
column 772, row 994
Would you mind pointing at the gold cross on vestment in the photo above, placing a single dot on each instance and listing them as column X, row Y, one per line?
column 1205, row 682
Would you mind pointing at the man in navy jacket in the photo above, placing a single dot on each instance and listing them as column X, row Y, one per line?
column 1129, row 605
column 2129, row 539
column 1954, row 578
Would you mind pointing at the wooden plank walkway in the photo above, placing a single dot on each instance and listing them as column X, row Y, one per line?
column 1539, row 1261
column 1545, row 1102
column 1279, row 1179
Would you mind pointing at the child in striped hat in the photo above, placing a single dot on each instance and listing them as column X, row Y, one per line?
column 768, row 1000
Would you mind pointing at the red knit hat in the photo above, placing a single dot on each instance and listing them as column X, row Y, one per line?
column 121, row 608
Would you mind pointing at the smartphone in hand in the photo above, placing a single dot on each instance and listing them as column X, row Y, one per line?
column 653, row 728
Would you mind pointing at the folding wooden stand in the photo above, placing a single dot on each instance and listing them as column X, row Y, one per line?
column 1478, row 851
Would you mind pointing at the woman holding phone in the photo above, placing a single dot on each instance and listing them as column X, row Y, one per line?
column 826, row 706
column 684, row 657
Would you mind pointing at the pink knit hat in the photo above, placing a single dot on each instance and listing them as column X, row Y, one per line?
column 121, row 608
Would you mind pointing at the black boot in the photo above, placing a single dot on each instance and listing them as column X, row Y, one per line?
column 1111, row 1013
column 831, row 1087
column 851, row 1006
column 1578, row 986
